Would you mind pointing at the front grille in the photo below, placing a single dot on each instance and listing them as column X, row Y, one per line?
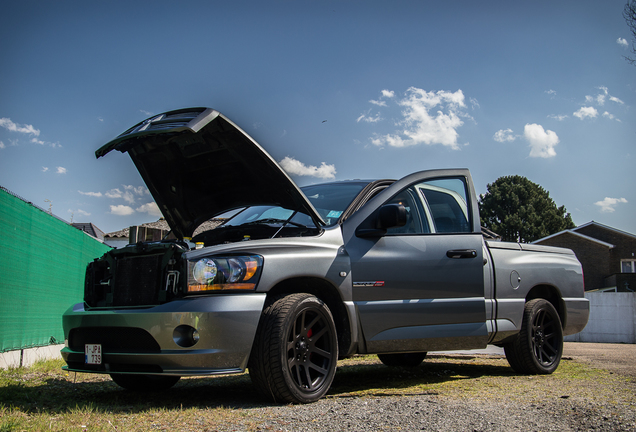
column 141, row 274
column 138, row 280
column 113, row 339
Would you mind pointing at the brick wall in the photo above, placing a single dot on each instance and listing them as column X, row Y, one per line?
column 625, row 244
column 594, row 257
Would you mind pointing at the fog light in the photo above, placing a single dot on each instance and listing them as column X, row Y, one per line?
column 185, row 336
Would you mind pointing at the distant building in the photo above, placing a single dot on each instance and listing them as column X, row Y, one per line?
column 608, row 255
column 89, row 229
column 151, row 231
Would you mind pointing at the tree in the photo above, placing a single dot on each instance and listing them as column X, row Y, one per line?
column 629, row 13
column 521, row 211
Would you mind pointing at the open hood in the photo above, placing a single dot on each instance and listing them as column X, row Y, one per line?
column 198, row 164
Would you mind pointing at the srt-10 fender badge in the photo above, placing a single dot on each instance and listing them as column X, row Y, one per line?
column 368, row 284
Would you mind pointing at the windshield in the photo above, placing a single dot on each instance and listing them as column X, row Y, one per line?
column 270, row 214
column 330, row 200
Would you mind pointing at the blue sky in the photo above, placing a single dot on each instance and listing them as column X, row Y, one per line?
column 333, row 90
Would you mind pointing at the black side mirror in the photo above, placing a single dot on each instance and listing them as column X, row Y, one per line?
column 389, row 216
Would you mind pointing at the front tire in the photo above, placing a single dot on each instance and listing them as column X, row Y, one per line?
column 405, row 360
column 539, row 345
column 295, row 352
column 145, row 383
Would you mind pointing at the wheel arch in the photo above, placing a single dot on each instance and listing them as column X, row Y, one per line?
column 326, row 292
column 553, row 295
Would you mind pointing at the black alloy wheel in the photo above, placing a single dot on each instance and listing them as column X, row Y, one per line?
column 539, row 345
column 296, row 350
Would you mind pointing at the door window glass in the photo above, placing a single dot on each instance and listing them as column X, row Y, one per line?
column 415, row 223
column 434, row 206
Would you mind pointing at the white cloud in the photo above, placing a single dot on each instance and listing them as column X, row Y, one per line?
column 128, row 194
column 504, row 135
column 608, row 115
column 367, row 119
column 79, row 211
column 388, row 93
column 113, row 193
column 61, row 170
column 608, row 204
column 45, row 169
column 148, row 113
column 558, row 117
column 93, row 194
column 139, row 190
column 128, row 197
column 551, row 92
column 429, row 118
column 617, row 100
column 584, row 112
column 295, row 167
column 2, row 145
column 378, row 103
column 37, row 141
column 15, row 127
column 100, row 119
column 121, row 210
column 622, row 42
column 542, row 142
column 151, row 208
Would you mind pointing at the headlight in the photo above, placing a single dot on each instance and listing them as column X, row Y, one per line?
column 224, row 273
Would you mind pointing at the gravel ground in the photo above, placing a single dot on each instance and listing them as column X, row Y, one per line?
column 612, row 408
column 436, row 414
column 593, row 389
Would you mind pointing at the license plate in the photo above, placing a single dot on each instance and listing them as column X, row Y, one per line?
column 93, row 354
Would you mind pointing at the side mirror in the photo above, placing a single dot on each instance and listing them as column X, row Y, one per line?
column 389, row 216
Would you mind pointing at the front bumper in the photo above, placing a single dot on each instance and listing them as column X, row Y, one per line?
column 145, row 340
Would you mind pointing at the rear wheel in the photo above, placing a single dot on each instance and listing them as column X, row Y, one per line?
column 145, row 383
column 539, row 345
column 295, row 352
column 407, row 360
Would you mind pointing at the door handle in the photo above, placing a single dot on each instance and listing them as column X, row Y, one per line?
column 462, row 253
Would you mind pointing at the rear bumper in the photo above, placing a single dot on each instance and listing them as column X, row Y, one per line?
column 578, row 312
column 146, row 340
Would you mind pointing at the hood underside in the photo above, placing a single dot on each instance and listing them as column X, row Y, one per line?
column 197, row 164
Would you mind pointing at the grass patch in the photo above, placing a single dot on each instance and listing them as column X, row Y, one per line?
column 44, row 397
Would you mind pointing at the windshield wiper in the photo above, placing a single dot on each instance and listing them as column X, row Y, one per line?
column 274, row 220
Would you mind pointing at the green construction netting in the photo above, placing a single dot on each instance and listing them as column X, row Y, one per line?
column 42, row 265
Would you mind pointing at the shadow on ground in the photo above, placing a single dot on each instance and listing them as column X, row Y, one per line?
column 56, row 393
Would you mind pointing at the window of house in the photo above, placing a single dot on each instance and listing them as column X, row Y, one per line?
column 628, row 266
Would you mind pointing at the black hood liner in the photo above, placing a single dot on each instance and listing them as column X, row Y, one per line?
column 198, row 164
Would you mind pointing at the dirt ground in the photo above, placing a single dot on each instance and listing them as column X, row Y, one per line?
column 617, row 358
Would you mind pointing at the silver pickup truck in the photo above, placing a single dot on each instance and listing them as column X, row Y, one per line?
column 296, row 278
